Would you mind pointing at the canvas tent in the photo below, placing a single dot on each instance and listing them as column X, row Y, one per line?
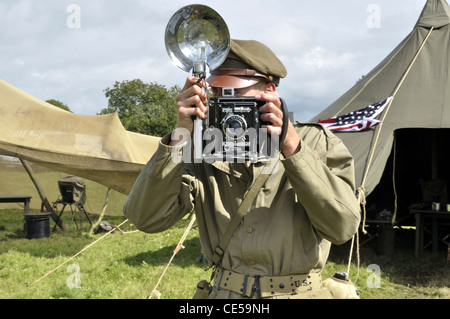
column 416, row 75
column 95, row 147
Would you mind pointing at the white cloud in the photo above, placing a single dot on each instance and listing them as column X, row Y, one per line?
column 285, row 38
column 318, row 59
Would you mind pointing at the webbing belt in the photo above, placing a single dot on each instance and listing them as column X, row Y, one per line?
column 265, row 286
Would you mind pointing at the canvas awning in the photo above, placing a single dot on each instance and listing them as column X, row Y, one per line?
column 96, row 147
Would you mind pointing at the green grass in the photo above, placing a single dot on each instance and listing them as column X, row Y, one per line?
column 401, row 275
column 128, row 266
column 119, row 266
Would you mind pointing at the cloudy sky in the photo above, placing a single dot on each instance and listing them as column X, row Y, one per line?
column 72, row 51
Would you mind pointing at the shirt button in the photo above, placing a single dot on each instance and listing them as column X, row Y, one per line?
column 252, row 262
column 249, row 230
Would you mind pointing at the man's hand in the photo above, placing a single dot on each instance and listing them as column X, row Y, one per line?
column 272, row 112
column 191, row 103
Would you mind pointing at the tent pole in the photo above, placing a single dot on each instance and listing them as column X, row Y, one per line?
column 94, row 225
column 47, row 205
column 434, row 157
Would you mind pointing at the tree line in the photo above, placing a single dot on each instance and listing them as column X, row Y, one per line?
column 145, row 108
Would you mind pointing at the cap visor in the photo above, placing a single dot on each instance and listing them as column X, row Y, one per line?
column 230, row 81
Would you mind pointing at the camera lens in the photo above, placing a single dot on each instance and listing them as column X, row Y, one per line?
column 234, row 126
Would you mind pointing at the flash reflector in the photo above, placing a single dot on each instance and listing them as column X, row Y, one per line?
column 196, row 36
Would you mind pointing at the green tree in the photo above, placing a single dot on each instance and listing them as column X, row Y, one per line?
column 146, row 108
column 58, row 104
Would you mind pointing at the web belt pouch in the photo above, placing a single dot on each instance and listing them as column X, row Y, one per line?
column 265, row 286
column 203, row 290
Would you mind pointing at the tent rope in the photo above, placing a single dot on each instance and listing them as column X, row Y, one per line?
column 350, row 255
column 82, row 250
column 362, row 202
column 357, row 256
column 156, row 293
column 361, row 190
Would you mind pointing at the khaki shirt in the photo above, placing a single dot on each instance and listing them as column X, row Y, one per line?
column 305, row 204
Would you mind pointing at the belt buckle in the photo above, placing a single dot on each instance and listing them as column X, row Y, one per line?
column 219, row 278
column 255, row 288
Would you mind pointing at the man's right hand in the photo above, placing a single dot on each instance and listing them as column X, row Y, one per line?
column 191, row 103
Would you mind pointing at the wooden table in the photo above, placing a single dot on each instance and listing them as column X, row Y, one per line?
column 421, row 215
column 25, row 199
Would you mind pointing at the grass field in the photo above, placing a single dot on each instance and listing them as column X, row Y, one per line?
column 128, row 265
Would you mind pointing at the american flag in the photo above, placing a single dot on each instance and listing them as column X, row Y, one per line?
column 357, row 120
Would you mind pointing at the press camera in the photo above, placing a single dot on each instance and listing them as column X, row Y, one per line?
column 233, row 131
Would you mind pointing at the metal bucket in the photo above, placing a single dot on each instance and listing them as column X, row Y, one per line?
column 37, row 225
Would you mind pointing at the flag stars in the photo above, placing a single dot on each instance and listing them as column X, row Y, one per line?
column 356, row 120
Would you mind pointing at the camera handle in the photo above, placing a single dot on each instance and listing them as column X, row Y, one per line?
column 199, row 71
column 285, row 126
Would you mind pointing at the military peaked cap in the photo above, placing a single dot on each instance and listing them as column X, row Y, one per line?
column 247, row 63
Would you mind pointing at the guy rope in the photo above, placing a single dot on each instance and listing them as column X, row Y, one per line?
column 81, row 251
column 156, row 293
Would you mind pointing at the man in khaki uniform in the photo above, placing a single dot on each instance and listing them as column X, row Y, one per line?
column 282, row 243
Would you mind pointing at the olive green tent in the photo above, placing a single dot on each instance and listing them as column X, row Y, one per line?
column 416, row 75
